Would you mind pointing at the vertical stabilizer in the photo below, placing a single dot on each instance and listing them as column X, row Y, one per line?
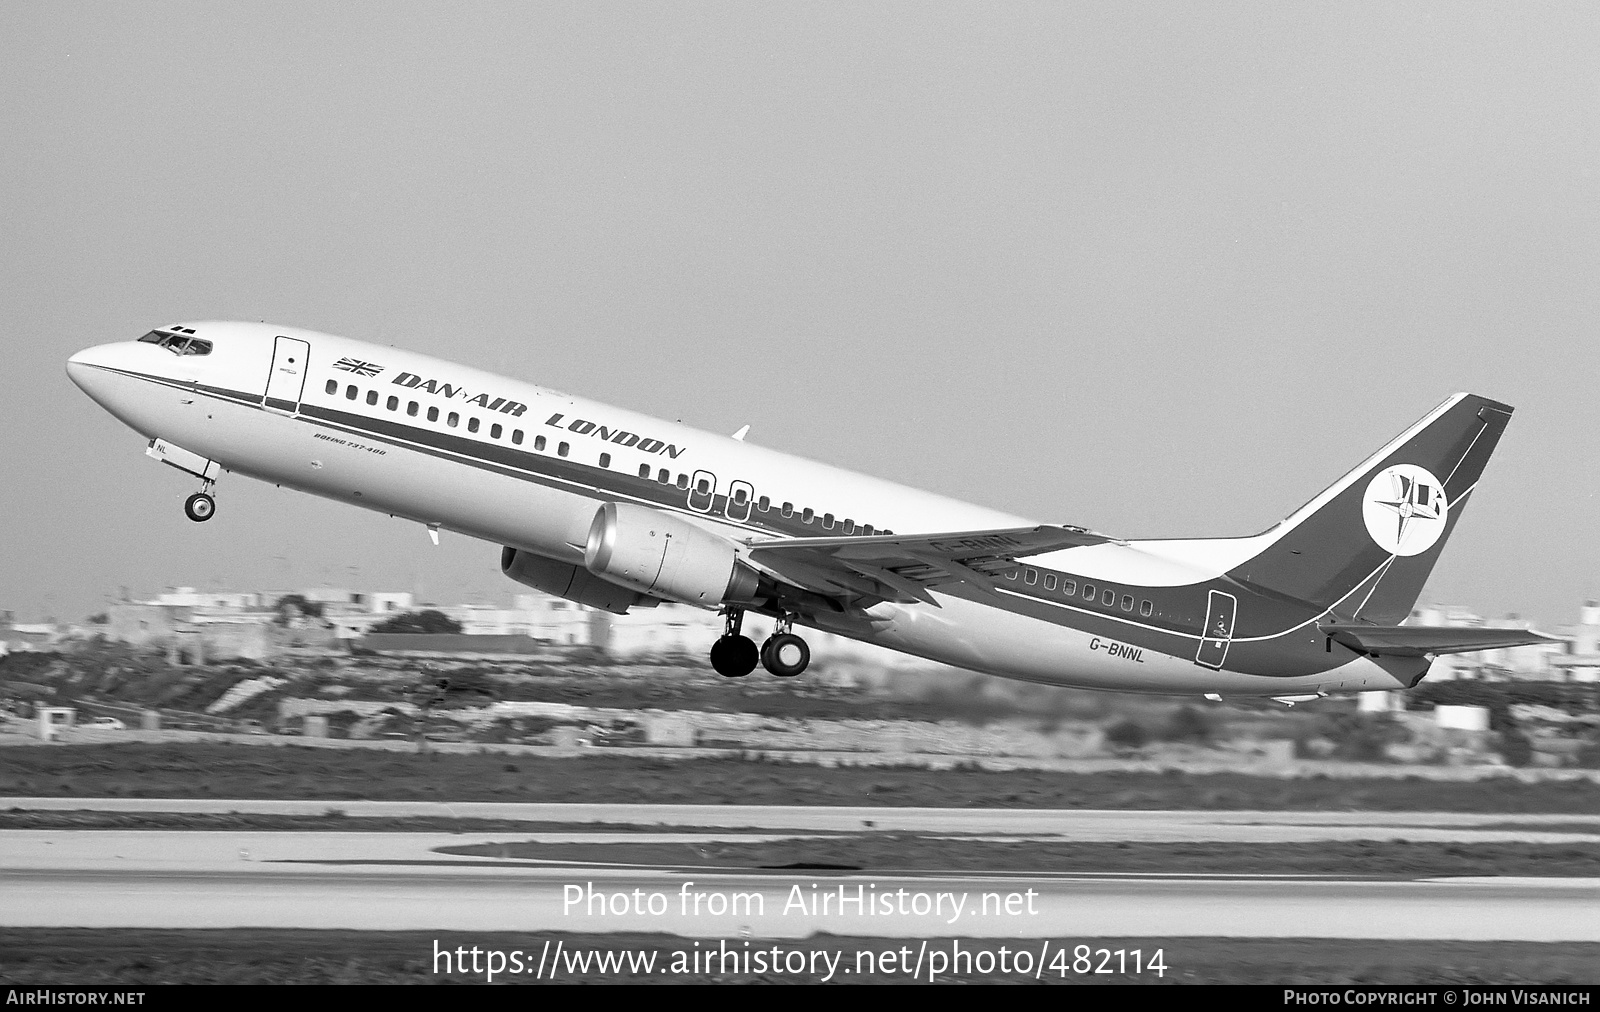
column 1366, row 545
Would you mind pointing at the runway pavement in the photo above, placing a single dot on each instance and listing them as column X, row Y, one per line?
column 993, row 823
column 393, row 881
column 796, row 905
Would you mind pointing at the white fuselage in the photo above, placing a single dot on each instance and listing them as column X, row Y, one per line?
column 467, row 478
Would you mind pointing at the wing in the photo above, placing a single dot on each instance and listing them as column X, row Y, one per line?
column 902, row 567
column 1418, row 640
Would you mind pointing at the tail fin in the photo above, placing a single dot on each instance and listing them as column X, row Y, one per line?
column 1365, row 546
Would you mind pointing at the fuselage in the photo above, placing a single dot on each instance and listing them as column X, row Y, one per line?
column 525, row 466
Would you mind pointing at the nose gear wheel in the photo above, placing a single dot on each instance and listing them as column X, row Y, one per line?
column 199, row 507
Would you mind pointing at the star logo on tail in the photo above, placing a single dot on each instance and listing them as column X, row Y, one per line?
column 1405, row 509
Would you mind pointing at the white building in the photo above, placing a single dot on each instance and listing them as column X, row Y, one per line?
column 390, row 602
column 1580, row 662
column 188, row 597
column 1574, row 657
column 539, row 616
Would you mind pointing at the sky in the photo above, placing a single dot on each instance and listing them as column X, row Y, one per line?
column 1157, row 269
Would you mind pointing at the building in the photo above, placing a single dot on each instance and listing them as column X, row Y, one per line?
column 1580, row 661
column 1574, row 657
column 23, row 637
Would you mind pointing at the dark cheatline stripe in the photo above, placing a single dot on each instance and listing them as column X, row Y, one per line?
column 582, row 479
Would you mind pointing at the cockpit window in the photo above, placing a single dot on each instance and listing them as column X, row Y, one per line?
column 178, row 344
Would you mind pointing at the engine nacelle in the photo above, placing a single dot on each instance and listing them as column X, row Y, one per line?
column 660, row 554
column 570, row 582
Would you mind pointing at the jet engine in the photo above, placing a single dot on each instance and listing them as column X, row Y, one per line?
column 662, row 555
column 570, row 582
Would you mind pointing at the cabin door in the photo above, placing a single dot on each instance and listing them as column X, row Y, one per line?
column 287, row 378
column 1218, row 631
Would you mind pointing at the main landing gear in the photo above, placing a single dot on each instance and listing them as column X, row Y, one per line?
column 783, row 654
column 733, row 655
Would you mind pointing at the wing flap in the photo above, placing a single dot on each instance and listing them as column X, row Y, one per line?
column 1420, row 640
column 901, row 567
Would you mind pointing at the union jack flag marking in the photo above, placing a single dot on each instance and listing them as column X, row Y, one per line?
column 358, row 367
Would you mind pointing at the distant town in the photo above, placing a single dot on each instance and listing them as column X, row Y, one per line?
column 197, row 627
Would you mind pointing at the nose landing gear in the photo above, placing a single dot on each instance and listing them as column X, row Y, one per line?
column 200, row 507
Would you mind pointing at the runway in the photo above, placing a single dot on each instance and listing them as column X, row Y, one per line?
column 394, row 881
column 797, row 905
column 991, row 823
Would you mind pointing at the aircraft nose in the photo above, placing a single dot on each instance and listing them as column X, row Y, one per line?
column 87, row 368
column 79, row 365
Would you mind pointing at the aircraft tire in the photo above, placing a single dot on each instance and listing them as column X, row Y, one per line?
column 785, row 655
column 199, row 507
column 734, row 656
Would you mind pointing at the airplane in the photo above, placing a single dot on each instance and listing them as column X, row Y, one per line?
column 616, row 510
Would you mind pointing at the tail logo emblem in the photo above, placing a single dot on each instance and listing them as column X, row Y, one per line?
column 1405, row 509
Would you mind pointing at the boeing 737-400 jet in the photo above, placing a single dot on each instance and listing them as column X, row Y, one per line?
column 618, row 510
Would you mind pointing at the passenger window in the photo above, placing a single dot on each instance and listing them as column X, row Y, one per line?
column 764, row 504
column 495, row 430
column 849, row 526
column 538, row 441
column 563, row 448
column 683, row 481
column 433, row 414
column 1050, row 581
column 332, row 387
column 807, row 515
column 644, row 470
column 472, row 425
column 827, row 521
column 788, row 509
column 350, row 392
column 1145, row 608
column 1069, row 587
column 1127, row 602
column 411, row 409
column 393, row 404
column 452, row 419
column 1108, row 598
column 516, row 436
column 1088, row 591
column 1031, row 577
column 867, row 530
column 664, row 476
column 605, row 460
column 372, row 396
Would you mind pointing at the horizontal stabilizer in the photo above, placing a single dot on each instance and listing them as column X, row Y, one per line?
column 1420, row 640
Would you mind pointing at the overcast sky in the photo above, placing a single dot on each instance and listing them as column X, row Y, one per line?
column 1156, row 269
